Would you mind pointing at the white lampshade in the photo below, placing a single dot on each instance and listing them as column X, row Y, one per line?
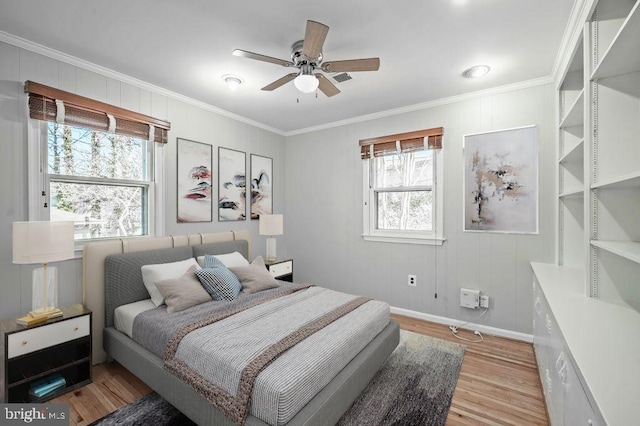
column 270, row 224
column 306, row 83
column 42, row 242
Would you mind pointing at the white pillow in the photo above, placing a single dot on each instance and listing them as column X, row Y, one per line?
column 230, row 260
column 164, row 271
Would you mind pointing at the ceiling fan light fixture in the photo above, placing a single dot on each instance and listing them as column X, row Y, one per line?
column 233, row 81
column 306, row 83
column 476, row 71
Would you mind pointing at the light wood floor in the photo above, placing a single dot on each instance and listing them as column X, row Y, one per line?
column 498, row 384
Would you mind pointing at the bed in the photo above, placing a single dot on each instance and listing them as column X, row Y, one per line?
column 115, row 267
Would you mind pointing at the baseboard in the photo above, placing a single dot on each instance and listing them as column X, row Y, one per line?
column 471, row 326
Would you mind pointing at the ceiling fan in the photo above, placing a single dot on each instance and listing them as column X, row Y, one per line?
column 306, row 55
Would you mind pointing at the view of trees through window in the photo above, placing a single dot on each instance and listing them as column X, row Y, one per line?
column 403, row 188
column 98, row 180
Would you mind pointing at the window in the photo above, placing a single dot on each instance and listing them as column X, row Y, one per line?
column 402, row 202
column 102, row 182
column 93, row 164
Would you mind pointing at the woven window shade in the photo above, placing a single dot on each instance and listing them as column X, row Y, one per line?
column 91, row 114
column 408, row 142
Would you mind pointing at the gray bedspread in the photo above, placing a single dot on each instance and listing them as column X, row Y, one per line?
column 219, row 352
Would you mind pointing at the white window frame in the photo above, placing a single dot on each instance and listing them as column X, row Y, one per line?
column 38, row 178
column 433, row 237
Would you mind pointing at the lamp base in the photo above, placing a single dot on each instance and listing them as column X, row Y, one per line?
column 271, row 249
column 45, row 291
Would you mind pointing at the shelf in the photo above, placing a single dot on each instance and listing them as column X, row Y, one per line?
column 631, row 180
column 622, row 56
column 575, row 115
column 572, row 193
column 574, row 155
column 628, row 249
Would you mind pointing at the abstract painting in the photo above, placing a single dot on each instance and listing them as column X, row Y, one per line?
column 261, row 186
column 232, row 171
column 195, row 201
column 501, row 181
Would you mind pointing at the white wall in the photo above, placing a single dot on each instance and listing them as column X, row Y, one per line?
column 187, row 121
column 323, row 217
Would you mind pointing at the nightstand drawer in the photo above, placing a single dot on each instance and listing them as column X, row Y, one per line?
column 34, row 339
column 280, row 269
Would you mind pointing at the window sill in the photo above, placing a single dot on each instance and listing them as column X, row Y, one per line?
column 435, row 241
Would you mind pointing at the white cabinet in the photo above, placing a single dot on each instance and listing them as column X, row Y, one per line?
column 566, row 398
column 577, row 409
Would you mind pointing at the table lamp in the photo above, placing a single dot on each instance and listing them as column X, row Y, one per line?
column 43, row 242
column 270, row 224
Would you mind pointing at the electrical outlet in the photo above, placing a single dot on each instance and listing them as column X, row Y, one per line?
column 411, row 280
column 484, row 301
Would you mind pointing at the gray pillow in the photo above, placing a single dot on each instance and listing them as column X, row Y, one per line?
column 182, row 292
column 255, row 277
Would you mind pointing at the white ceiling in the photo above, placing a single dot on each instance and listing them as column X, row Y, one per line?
column 185, row 47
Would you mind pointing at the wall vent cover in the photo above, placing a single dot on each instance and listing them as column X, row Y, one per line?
column 341, row 78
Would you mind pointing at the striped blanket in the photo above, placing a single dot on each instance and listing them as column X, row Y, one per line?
column 273, row 355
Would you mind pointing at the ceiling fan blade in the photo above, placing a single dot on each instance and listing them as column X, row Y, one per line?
column 327, row 87
column 259, row 57
column 314, row 37
column 351, row 65
column 280, row 82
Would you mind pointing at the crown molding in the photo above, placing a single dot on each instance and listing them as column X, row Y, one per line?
column 580, row 13
column 89, row 66
column 430, row 104
column 72, row 60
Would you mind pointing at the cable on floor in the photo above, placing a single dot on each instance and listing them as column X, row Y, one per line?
column 454, row 330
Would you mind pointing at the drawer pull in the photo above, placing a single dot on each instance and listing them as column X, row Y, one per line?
column 76, row 328
column 24, row 342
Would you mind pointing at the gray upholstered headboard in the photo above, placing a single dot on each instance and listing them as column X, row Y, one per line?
column 123, row 274
column 94, row 270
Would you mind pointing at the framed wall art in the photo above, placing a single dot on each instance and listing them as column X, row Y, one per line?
column 232, row 171
column 195, row 201
column 261, row 186
column 501, row 181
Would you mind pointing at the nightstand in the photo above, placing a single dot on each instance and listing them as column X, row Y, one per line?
column 281, row 269
column 60, row 345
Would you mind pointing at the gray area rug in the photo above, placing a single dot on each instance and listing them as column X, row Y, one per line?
column 414, row 387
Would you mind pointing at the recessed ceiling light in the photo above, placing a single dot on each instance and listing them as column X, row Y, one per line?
column 476, row 71
column 232, row 81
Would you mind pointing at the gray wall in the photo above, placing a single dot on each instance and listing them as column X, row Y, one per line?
column 187, row 121
column 318, row 186
column 323, row 218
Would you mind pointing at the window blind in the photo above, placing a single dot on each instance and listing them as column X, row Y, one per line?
column 401, row 143
column 84, row 112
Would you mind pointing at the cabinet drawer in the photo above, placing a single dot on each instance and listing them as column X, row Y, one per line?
column 32, row 340
column 280, row 269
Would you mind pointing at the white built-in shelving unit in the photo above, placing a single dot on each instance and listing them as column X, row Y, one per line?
column 590, row 299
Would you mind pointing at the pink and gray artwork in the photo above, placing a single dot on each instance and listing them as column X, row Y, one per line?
column 194, row 181
column 500, row 181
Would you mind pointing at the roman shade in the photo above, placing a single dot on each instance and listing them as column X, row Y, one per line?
column 401, row 143
column 49, row 104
